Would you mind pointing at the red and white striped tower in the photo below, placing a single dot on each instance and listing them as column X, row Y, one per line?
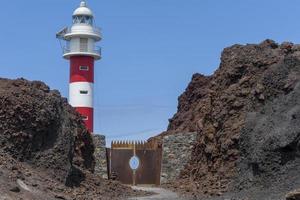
column 80, row 49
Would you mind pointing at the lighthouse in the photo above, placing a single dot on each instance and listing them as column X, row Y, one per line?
column 80, row 49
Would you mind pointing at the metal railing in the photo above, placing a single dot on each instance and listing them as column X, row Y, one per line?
column 97, row 30
column 96, row 50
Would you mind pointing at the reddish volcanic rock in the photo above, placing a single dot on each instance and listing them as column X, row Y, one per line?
column 249, row 78
column 45, row 150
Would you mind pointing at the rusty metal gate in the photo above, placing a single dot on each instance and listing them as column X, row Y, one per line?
column 149, row 156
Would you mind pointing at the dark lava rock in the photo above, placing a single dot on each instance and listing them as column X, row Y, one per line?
column 294, row 195
column 40, row 128
column 254, row 85
column 15, row 189
column 44, row 142
column 270, row 143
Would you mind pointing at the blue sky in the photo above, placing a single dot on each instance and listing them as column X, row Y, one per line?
column 151, row 48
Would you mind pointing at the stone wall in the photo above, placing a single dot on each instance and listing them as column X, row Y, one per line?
column 177, row 151
column 100, row 156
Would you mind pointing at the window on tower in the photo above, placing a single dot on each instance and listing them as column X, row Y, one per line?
column 85, row 118
column 83, row 92
column 83, row 44
column 84, row 68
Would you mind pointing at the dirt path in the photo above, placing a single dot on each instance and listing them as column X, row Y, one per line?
column 160, row 194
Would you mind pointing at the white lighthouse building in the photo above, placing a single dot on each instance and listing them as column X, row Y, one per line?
column 80, row 48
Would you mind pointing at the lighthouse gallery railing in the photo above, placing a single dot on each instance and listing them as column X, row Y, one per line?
column 96, row 50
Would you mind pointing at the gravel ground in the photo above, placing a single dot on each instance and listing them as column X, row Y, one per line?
column 160, row 194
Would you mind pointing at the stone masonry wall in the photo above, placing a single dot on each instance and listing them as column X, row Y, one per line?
column 100, row 156
column 177, row 151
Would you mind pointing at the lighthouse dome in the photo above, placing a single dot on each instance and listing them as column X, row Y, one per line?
column 83, row 10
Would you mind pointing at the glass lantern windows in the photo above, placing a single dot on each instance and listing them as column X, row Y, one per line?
column 89, row 20
column 75, row 20
column 82, row 19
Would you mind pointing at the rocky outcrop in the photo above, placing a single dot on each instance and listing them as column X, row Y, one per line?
column 294, row 195
column 270, row 143
column 40, row 128
column 189, row 111
column 45, row 150
column 249, row 78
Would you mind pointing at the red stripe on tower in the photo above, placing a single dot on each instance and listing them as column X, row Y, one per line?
column 82, row 69
column 81, row 88
column 82, row 53
column 88, row 114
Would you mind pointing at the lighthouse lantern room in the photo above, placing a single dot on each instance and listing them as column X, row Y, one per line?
column 82, row 52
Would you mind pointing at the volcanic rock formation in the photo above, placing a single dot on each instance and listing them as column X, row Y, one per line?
column 45, row 150
column 40, row 128
column 247, row 116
